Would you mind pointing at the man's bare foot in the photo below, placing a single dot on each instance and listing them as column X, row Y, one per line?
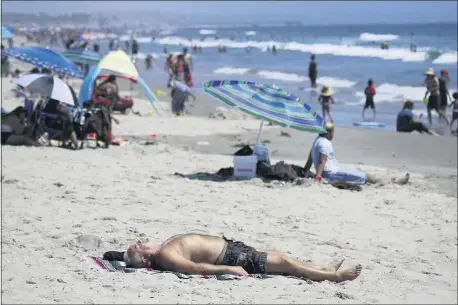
column 334, row 265
column 401, row 181
column 349, row 274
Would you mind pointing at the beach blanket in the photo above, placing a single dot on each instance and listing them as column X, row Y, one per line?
column 102, row 265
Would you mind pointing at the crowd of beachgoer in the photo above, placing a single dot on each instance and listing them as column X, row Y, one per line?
column 179, row 68
column 437, row 98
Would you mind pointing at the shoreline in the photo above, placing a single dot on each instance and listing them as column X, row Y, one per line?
column 404, row 236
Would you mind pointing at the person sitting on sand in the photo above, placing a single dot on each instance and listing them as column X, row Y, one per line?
column 205, row 254
column 110, row 87
column 406, row 121
column 325, row 100
column 327, row 167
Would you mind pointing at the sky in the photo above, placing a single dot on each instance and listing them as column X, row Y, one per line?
column 308, row 12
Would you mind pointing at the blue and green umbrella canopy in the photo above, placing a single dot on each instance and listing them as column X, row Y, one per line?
column 83, row 56
column 267, row 102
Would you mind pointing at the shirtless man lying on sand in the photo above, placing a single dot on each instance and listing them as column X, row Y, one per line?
column 205, row 254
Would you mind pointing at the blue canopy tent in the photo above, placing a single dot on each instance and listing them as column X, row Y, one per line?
column 44, row 58
column 119, row 63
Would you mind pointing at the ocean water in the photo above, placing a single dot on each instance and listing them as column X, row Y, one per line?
column 347, row 57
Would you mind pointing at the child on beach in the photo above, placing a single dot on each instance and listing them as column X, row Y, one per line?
column 325, row 100
column 370, row 93
column 454, row 104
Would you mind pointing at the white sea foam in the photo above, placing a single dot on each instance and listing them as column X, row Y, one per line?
column 139, row 39
column 316, row 48
column 447, row 58
column 334, row 82
column 286, row 77
column 231, row 71
column 377, row 37
column 207, row 32
column 250, row 33
column 154, row 55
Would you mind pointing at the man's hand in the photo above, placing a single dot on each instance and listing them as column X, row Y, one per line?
column 237, row 270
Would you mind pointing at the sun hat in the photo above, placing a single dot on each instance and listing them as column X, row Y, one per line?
column 444, row 71
column 329, row 127
column 326, row 91
column 430, row 71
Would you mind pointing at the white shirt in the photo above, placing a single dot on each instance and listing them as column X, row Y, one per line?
column 324, row 146
column 188, row 58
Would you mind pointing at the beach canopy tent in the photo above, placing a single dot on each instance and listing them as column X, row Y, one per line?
column 7, row 32
column 118, row 63
column 44, row 58
column 83, row 56
column 267, row 103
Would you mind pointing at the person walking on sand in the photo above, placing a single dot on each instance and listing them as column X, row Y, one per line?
column 327, row 167
column 432, row 88
column 370, row 93
column 212, row 255
column 325, row 100
column 313, row 71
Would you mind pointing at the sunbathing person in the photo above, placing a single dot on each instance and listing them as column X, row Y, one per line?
column 327, row 167
column 205, row 254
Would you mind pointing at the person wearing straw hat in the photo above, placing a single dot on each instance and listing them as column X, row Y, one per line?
column 432, row 88
column 328, row 168
column 325, row 100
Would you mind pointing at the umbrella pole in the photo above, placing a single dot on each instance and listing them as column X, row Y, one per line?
column 258, row 138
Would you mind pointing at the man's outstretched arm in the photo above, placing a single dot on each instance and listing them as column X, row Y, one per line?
column 176, row 262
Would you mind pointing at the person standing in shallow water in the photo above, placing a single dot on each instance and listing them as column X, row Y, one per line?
column 313, row 72
column 444, row 80
column 432, row 88
column 370, row 93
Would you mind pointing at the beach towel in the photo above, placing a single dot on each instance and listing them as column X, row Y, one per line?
column 101, row 265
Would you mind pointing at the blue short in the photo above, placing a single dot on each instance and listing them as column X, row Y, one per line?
column 347, row 176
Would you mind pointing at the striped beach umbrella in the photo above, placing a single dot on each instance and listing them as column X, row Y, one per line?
column 267, row 103
column 44, row 58
column 83, row 56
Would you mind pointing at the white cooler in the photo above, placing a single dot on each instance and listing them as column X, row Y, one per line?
column 245, row 166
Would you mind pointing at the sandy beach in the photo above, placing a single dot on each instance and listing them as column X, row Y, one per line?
column 404, row 236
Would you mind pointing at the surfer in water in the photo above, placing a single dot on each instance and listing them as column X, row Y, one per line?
column 325, row 100
column 370, row 93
